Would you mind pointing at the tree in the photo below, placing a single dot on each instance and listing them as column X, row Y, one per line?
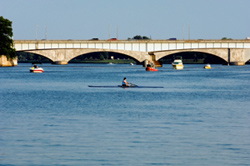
column 106, row 55
column 6, row 41
column 102, row 57
column 225, row 38
column 145, row 38
column 139, row 37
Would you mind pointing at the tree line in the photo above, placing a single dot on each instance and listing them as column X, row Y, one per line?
column 6, row 41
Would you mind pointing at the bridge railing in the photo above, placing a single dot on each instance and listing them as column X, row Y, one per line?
column 131, row 45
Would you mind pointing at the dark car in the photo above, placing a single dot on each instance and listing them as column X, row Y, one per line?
column 94, row 38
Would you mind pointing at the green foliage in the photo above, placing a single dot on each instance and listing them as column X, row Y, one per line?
column 139, row 37
column 6, row 42
column 102, row 57
column 145, row 38
column 106, row 55
column 225, row 38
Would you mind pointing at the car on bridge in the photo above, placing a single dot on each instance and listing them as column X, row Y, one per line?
column 112, row 39
column 94, row 38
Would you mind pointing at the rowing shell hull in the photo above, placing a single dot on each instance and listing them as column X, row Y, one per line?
column 120, row 86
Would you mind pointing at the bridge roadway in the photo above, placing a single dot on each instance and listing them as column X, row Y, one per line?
column 62, row 51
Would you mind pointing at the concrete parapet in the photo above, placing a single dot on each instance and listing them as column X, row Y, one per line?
column 5, row 62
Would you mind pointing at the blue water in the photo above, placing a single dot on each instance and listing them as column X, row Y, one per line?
column 200, row 117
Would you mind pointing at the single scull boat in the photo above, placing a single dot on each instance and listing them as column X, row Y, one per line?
column 120, row 86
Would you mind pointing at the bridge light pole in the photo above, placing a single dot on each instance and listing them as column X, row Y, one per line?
column 45, row 32
column 36, row 31
column 117, row 32
column 189, row 32
column 183, row 32
column 109, row 30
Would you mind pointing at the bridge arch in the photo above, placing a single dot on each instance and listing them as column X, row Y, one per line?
column 195, row 56
column 28, row 51
column 109, row 53
column 67, row 54
column 221, row 52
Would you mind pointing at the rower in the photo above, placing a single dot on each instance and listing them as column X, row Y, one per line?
column 124, row 82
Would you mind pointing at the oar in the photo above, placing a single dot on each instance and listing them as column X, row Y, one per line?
column 132, row 84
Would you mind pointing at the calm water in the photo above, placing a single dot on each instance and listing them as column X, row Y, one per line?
column 200, row 117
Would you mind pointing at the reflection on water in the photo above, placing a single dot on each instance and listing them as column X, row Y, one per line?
column 200, row 117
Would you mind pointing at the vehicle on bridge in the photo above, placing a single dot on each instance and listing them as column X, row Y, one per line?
column 112, row 39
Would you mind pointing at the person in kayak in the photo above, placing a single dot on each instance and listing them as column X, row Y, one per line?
column 124, row 82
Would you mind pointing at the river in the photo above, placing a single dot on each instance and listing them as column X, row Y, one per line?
column 200, row 117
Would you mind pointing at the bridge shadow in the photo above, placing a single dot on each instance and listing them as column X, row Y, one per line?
column 193, row 57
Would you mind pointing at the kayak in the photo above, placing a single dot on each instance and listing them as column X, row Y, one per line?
column 120, row 86
column 36, row 70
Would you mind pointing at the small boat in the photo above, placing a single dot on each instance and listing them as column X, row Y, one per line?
column 208, row 66
column 177, row 64
column 131, row 64
column 150, row 68
column 36, row 70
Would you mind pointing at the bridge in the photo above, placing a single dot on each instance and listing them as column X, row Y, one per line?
column 235, row 52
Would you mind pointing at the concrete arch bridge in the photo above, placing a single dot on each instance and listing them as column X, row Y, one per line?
column 64, row 55
column 236, row 52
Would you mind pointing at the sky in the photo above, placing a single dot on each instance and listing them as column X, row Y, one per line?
column 123, row 19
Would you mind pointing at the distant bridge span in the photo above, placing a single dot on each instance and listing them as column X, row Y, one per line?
column 62, row 51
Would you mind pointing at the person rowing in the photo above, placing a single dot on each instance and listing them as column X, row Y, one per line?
column 124, row 82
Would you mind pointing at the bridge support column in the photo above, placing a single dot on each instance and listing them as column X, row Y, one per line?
column 240, row 63
column 152, row 59
column 235, row 57
column 4, row 62
column 60, row 63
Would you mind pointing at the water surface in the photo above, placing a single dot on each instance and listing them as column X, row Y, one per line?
column 200, row 117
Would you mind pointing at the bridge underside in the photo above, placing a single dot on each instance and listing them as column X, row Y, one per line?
column 63, row 56
column 234, row 56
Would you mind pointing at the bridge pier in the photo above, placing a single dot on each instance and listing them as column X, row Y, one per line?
column 60, row 63
column 152, row 59
column 240, row 63
column 236, row 56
